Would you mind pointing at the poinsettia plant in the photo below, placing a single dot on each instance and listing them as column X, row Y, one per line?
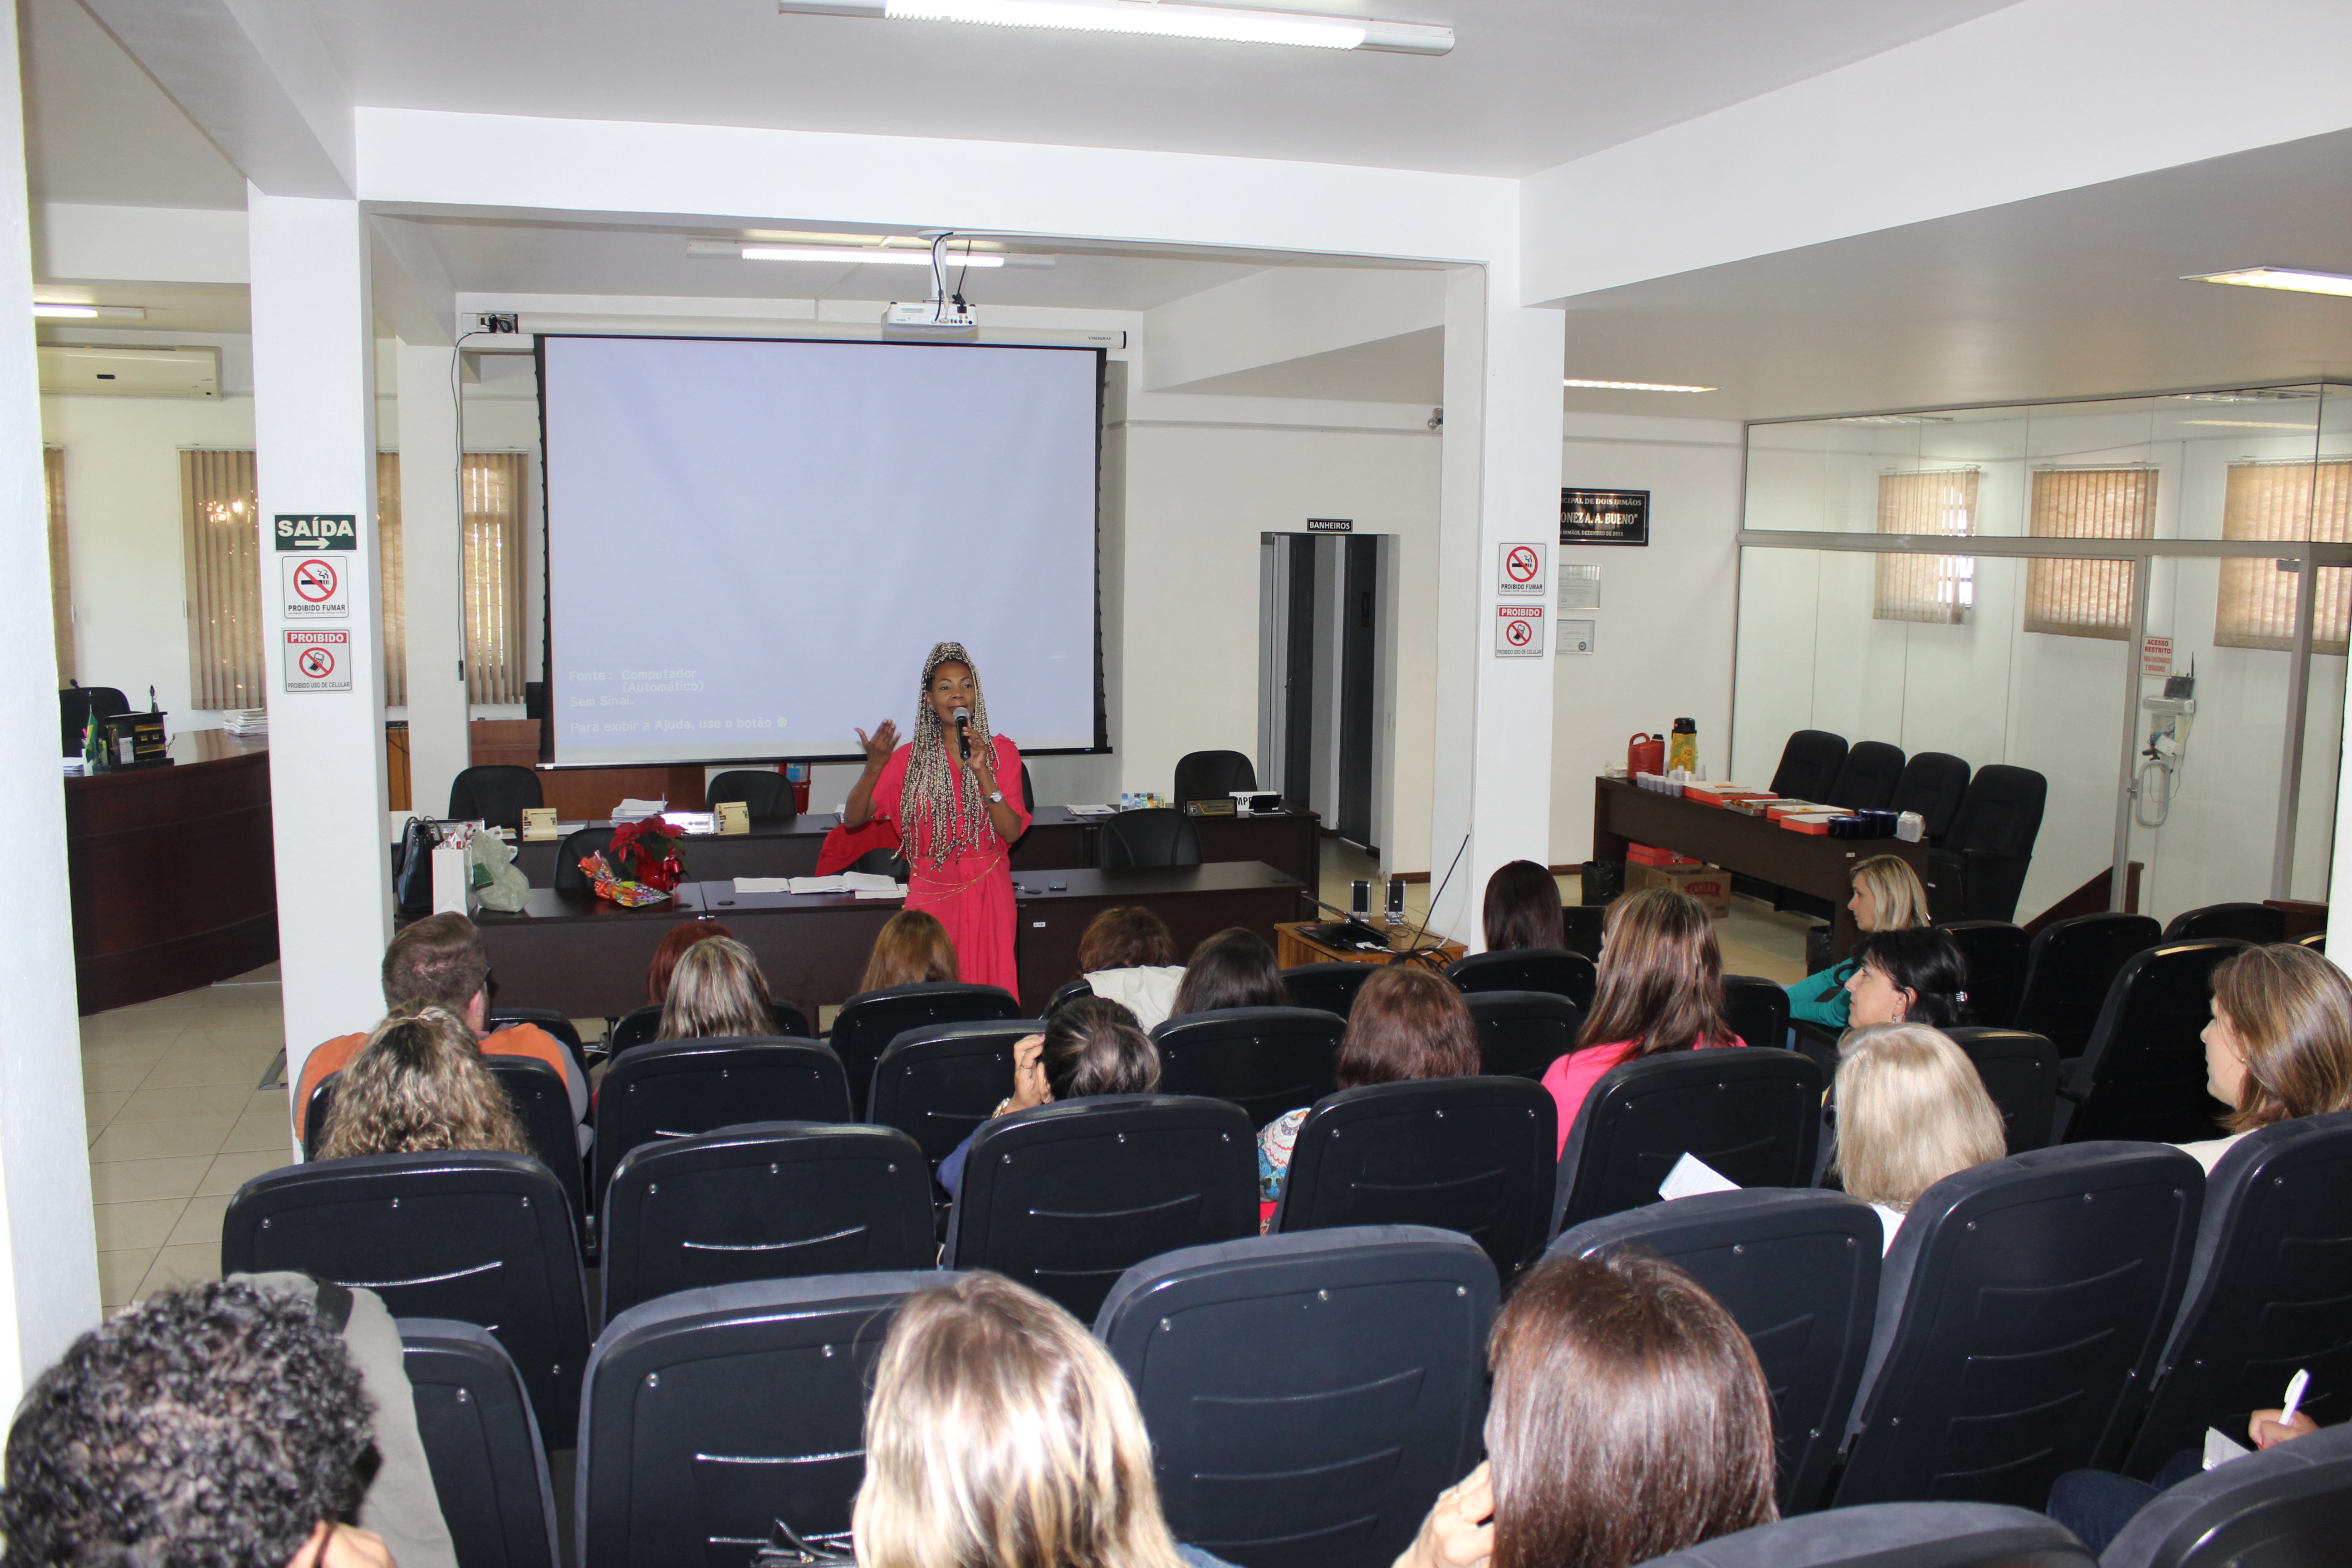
column 646, row 852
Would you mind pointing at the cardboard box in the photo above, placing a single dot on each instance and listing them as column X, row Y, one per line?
column 1710, row 885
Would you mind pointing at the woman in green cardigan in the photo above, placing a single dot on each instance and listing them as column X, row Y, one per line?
column 1886, row 897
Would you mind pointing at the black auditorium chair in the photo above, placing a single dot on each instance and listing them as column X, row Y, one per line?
column 1809, row 765
column 1267, row 1060
column 1934, row 784
column 2256, row 924
column 1160, row 836
column 1799, row 1272
column 316, row 1114
column 938, row 1084
column 870, row 1020
column 882, row 862
column 548, row 1020
column 1754, row 1115
column 711, row 1416
column 483, row 1450
column 544, row 1105
column 2021, row 1310
column 1993, row 953
column 1866, row 780
column 2287, row 1506
column 642, row 1026
column 675, row 1088
column 1756, row 1010
column 1212, row 776
column 1467, row 1154
column 481, row 1237
column 2068, row 967
column 1553, row 968
column 1066, row 993
column 2019, row 1071
column 2266, row 1294
column 1307, row 1396
column 762, row 791
column 577, row 846
column 1896, row 1535
column 77, row 705
column 1330, row 986
column 1522, row 1032
column 764, row 1200
column 1065, row 1198
column 2142, row 1072
column 1979, row 870
column 1581, row 929
column 497, row 794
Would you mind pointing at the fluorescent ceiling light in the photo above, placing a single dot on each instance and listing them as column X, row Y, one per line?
column 1635, row 385
column 2290, row 278
column 64, row 313
column 862, row 258
column 1157, row 18
column 2248, row 424
column 72, row 311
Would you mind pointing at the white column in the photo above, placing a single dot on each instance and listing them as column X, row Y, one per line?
column 48, row 1252
column 314, row 439
column 1499, row 484
column 432, row 562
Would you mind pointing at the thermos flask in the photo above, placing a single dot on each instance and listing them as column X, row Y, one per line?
column 1683, row 754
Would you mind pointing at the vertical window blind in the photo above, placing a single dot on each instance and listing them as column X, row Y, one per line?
column 2285, row 500
column 1934, row 588
column 224, row 565
column 2086, row 598
column 53, row 485
column 221, row 539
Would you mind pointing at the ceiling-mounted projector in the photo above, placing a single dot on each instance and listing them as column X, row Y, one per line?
column 931, row 318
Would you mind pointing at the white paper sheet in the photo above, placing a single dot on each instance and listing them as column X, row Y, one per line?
column 1691, row 1176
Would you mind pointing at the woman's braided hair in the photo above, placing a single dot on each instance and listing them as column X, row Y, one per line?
column 933, row 829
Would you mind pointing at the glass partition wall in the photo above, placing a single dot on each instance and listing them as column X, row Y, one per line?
column 2089, row 529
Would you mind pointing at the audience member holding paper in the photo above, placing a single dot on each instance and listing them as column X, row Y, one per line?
column 2096, row 1504
column 2280, row 1044
column 946, row 793
column 1661, row 990
column 912, row 949
column 717, row 991
column 1910, row 1111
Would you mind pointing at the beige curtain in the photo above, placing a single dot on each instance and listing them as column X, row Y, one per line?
column 494, row 483
column 392, row 574
column 2086, row 598
column 1936, row 588
column 222, row 545
column 2283, row 500
column 53, row 478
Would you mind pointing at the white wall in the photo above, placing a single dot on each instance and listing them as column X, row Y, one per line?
column 1664, row 643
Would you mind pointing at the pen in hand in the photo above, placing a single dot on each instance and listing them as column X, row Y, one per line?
column 2296, row 1387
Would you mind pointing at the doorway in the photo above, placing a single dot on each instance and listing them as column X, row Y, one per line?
column 1325, row 662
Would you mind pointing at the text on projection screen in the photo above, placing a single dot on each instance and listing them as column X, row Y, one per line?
column 752, row 545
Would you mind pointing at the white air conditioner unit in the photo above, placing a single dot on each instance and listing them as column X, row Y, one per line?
column 108, row 370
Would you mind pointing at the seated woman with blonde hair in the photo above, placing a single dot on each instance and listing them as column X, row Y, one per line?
column 717, row 991
column 2280, row 1044
column 1001, row 1435
column 419, row 1086
column 1910, row 1111
column 1886, row 897
column 912, row 949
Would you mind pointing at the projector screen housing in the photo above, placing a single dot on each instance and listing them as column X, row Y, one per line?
column 752, row 543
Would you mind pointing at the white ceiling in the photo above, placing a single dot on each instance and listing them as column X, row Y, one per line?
column 2071, row 295
column 97, row 128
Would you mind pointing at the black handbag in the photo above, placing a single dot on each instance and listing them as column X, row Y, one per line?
column 411, row 874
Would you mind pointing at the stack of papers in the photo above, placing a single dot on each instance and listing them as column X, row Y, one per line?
column 634, row 810
column 692, row 821
column 865, row 884
column 1094, row 811
column 73, row 767
column 246, row 720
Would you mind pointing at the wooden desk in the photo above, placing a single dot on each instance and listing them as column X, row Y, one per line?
column 1293, row 947
column 588, row 958
column 173, row 883
column 1815, row 864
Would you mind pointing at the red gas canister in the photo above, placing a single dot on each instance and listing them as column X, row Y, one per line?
column 1646, row 754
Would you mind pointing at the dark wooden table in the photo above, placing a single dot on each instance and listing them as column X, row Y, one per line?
column 588, row 958
column 1758, row 846
column 1057, row 841
column 172, row 873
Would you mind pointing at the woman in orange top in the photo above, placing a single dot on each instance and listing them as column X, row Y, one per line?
column 957, row 816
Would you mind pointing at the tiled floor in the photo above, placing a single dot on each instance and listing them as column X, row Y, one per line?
column 178, row 1123
column 1754, row 940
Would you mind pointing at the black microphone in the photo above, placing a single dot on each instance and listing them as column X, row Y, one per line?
column 963, row 731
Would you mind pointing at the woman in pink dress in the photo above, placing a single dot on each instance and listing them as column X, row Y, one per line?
column 957, row 810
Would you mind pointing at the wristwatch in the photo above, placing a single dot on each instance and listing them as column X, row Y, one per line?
column 996, row 797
